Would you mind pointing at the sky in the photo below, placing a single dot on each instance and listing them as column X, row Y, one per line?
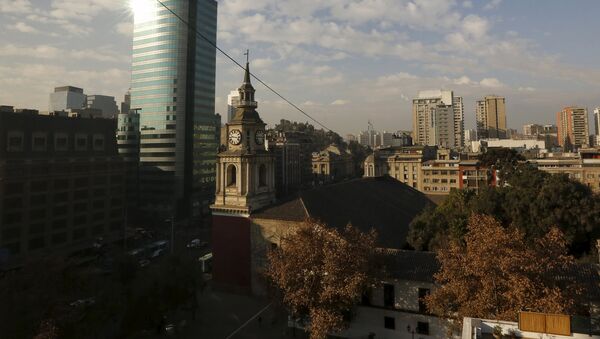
column 345, row 62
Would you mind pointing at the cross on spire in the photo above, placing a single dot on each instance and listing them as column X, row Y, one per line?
column 247, row 54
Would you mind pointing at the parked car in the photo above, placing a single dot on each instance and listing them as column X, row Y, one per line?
column 196, row 243
column 83, row 302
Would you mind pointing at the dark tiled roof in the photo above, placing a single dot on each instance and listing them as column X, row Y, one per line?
column 411, row 265
column 382, row 203
column 437, row 198
column 289, row 210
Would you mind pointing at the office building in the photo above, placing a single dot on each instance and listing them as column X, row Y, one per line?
column 66, row 97
column 401, row 163
column 491, row 118
column 173, row 90
column 232, row 101
column 104, row 103
column 573, row 127
column 442, row 130
column 470, row 135
column 61, row 183
column 126, row 103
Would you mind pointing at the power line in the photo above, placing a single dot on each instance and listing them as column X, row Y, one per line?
column 242, row 67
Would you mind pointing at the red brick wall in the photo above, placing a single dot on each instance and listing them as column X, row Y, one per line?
column 231, row 251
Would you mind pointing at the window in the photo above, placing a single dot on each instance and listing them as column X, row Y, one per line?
column 59, row 238
column 81, row 141
column 14, row 142
column 389, row 297
column 38, row 141
column 262, row 176
column 231, row 176
column 423, row 328
column 389, row 323
column 36, row 243
column 98, row 142
column 61, row 142
column 423, row 292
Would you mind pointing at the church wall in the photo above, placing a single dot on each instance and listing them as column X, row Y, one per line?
column 265, row 234
column 231, row 252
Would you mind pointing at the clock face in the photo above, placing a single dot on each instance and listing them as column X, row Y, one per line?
column 235, row 137
column 260, row 137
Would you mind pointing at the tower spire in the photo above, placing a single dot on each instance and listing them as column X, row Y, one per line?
column 247, row 73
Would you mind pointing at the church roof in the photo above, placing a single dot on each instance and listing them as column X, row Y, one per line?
column 382, row 203
column 245, row 113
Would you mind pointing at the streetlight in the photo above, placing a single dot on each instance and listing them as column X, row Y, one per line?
column 410, row 330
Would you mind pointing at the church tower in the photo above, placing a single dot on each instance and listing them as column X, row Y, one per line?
column 245, row 169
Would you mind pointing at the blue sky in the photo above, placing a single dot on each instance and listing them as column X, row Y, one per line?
column 343, row 61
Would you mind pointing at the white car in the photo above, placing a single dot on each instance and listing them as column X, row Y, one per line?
column 196, row 243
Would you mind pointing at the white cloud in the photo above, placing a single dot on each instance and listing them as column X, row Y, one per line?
column 491, row 83
column 493, row 4
column 125, row 28
column 526, row 89
column 463, row 80
column 467, row 4
column 51, row 52
column 339, row 102
column 15, row 6
column 22, row 27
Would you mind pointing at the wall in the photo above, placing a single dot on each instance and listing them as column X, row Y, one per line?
column 231, row 252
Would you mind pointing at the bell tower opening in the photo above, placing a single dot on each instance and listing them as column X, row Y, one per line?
column 231, row 176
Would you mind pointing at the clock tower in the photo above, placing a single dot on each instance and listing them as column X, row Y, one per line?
column 245, row 169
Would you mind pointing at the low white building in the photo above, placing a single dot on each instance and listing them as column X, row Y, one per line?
column 474, row 328
column 519, row 144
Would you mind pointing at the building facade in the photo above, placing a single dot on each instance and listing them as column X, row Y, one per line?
column 401, row 163
column 173, row 90
column 66, row 97
column 440, row 176
column 423, row 114
column 597, row 125
column 583, row 166
column 105, row 103
column 293, row 161
column 491, row 117
column 573, row 127
column 61, row 183
column 332, row 164
column 459, row 121
column 232, row 101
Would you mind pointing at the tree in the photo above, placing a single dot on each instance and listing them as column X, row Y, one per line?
column 502, row 159
column 322, row 273
column 496, row 273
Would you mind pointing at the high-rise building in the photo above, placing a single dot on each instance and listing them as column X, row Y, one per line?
column 438, row 119
column 442, row 126
column 470, row 135
column 491, row 117
column 232, row 101
column 459, row 121
column 105, row 103
column 173, row 90
column 126, row 103
column 597, row 125
column 66, row 97
column 573, row 127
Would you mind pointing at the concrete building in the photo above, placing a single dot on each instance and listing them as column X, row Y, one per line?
column 459, row 121
column 401, row 163
column 332, row 164
column 573, row 127
column 232, row 101
column 491, row 117
column 470, row 135
column 442, row 131
column 597, row 125
column 173, row 90
column 126, row 103
column 424, row 116
column 523, row 144
column 440, row 176
column 533, row 129
column 66, row 97
column 104, row 103
column 61, row 183
column 583, row 166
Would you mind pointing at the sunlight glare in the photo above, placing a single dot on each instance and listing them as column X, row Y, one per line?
column 143, row 10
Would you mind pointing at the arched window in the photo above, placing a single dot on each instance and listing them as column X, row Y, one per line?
column 262, row 176
column 231, row 175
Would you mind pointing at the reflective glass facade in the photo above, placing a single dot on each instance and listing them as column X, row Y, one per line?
column 173, row 89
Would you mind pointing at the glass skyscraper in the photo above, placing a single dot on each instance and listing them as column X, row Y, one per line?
column 173, row 89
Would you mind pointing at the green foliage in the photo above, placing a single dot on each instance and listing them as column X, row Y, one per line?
column 532, row 200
